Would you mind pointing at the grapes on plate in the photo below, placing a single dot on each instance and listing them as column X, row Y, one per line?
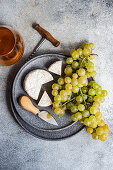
column 78, row 92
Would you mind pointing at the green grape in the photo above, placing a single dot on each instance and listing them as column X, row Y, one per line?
column 81, row 120
column 81, row 107
column 100, row 87
column 75, row 55
column 86, row 83
column 74, row 109
column 75, row 64
column 68, row 71
column 69, row 92
column 78, row 116
column 74, row 82
column 64, row 98
column 89, row 130
column 99, row 131
column 69, row 60
column 57, row 98
column 82, row 80
column 92, row 118
column 91, row 57
column 98, row 91
column 93, row 110
column 85, row 113
column 86, row 51
column 54, row 92
column 91, row 83
column 102, row 99
column 91, row 92
column 85, row 96
column 93, row 124
column 87, row 122
column 96, row 104
column 90, row 69
column 67, row 80
column 75, row 75
column 96, row 98
column 101, row 123
column 84, row 89
column 95, row 86
column 89, row 63
column 68, row 86
column 84, row 44
column 90, row 46
column 72, row 51
column 75, row 89
column 58, row 111
column 73, row 118
column 60, row 81
column 93, row 73
column 88, row 74
column 69, row 105
column 98, row 115
column 55, row 86
column 79, row 50
column 63, row 93
column 55, row 104
column 94, row 136
column 102, row 137
column 104, row 93
column 90, row 98
column 81, row 72
column 79, row 99
column 79, row 85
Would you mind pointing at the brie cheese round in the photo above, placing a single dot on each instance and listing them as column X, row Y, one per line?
column 34, row 80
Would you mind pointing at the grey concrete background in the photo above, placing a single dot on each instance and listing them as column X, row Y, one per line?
column 71, row 22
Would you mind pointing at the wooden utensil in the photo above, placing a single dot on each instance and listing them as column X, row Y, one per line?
column 45, row 36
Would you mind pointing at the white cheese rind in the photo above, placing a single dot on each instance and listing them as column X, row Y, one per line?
column 34, row 80
column 45, row 100
column 56, row 67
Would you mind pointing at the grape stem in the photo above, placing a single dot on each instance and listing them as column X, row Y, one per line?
column 68, row 101
column 82, row 96
column 93, row 54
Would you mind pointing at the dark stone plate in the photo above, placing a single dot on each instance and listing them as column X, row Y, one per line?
column 32, row 123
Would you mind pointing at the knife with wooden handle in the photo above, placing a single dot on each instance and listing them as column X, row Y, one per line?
column 26, row 104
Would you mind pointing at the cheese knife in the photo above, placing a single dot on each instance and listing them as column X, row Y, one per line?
column 26, row 104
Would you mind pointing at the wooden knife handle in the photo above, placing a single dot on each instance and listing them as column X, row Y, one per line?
column 46, row 35
column 26, row 104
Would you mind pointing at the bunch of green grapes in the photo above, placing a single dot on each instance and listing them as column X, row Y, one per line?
column 79, row 93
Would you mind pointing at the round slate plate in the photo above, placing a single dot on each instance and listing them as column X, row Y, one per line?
column 32, row 123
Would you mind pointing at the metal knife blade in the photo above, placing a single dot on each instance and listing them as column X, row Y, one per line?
column 46, row 116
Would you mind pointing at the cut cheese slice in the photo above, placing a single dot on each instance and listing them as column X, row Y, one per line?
column 56, row 67
column 45, row 100
column 34, row 80
column 47, row 117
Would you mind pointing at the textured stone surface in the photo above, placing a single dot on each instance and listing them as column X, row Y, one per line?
column 71, row 22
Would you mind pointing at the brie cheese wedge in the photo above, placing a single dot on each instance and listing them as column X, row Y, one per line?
column 56, row 67
column 45, row 100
